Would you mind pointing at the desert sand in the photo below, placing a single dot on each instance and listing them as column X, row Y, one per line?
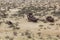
column 21, row 29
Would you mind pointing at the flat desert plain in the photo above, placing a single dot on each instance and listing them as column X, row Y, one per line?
column 14, row 24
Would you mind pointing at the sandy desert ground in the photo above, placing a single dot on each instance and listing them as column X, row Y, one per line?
column 14, row 24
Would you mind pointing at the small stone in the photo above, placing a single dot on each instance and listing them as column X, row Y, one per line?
column 29, row 36
column 58, row 36
column 10, row 38
column 31, row 18
column 39, row 33
column 50, row 19
column 51, row 24
column 0, row 22
column 7, row 37
column 40, row 25
column 9, row 23
column 16, row 28
column 15, row 33
column 22, row 34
